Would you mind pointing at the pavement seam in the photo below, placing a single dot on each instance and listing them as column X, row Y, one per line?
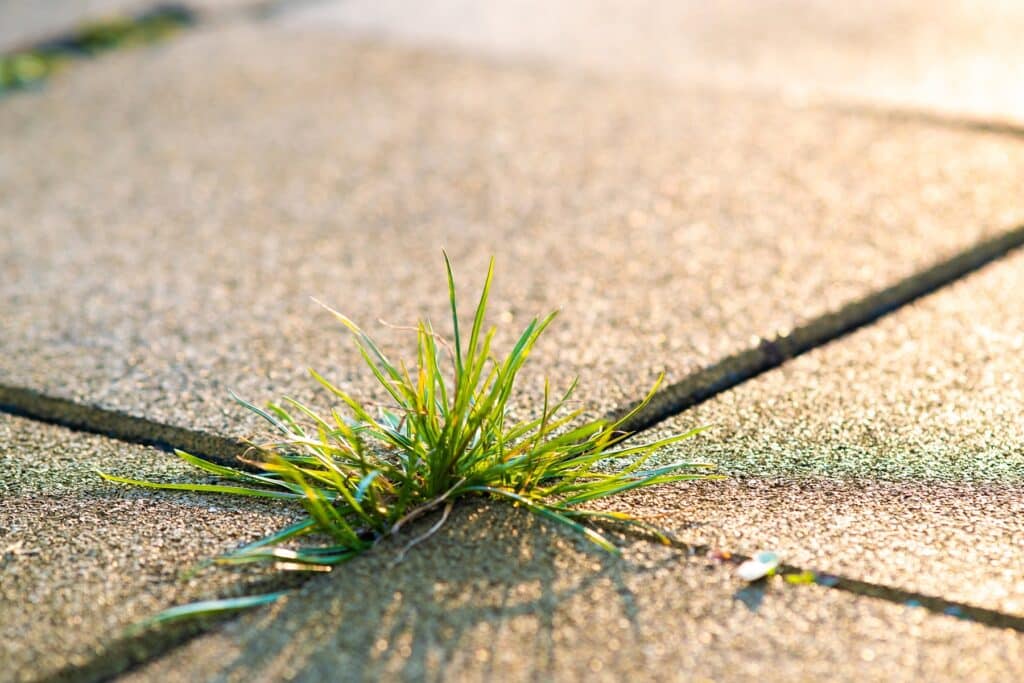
column 133, row 650
column 907, row 598
column 668, row 402
column 771, row 353
column 138, row 646
column 937, row 119
column 25, row 67
column 30, row 64
column 118, row 425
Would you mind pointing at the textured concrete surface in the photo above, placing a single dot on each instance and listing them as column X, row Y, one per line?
column 81, row 559
column 933, row 392
column 498, row 596
column 960, row 542
column 895, row 454
column 165, row 213
column 170, row 254
column 951, row 56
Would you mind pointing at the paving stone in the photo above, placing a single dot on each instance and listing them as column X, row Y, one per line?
column 960, row 542
column 930, row 393
column 170, row 253
column 498, row 595
column 893, row 455
column 961, row 58
column 81, row 560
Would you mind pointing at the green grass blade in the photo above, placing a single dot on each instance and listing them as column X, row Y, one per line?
column 203, row 488
column 229, row 472
column 455, row 317
column 448, row 432
column 209, row 607
column 280, row 426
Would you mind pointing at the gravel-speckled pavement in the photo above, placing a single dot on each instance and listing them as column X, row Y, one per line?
column 949, row 57
column 175, row 246
column 82, row 560
column 500, row 596
column 165, row 213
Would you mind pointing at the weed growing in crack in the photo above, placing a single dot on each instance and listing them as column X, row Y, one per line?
column 362, row 477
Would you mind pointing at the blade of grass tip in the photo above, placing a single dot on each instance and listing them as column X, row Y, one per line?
column 280, row 426
column 209, row 607
column 655, row 445
column 455, row 316
column 481, row 310
column 647, row 451
column 605, row 489
column 361, row 414
column 625, row 520
column 286, row 418
column 308, row 412
column 363, row 341
column 614, row 427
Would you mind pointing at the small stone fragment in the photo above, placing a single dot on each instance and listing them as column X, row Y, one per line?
column 762, row 565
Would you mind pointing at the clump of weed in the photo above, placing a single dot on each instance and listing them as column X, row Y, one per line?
column 363, row 475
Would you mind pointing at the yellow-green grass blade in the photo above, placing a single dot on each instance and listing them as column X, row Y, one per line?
column 230, row 472
column 203, row 488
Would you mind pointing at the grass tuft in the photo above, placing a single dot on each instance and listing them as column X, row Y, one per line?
column 363, row 475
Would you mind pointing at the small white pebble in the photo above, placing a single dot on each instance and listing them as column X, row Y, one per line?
column 759, row 567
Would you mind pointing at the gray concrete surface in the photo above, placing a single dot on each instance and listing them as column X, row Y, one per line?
column 81, row 560
column 955, row 541
column 953, row 56
column 894, row 455
column 170, row 254
column 930, row 393
column 497, row 595
column 165, row 213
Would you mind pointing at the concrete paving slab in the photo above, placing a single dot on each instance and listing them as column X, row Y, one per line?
column 893, row 456
column 496, row 595
column 164, row 252
column 931, row 393
column 81, row 560
column 960, row 542
column 962, row 58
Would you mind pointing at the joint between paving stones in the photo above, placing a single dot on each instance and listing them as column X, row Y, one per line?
column 899, row 596
column 32, row 64
column 134, row 650
column 967, row 123
column 121, row 426
column 770, row 354
column 136, row 647
column 669, row 402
